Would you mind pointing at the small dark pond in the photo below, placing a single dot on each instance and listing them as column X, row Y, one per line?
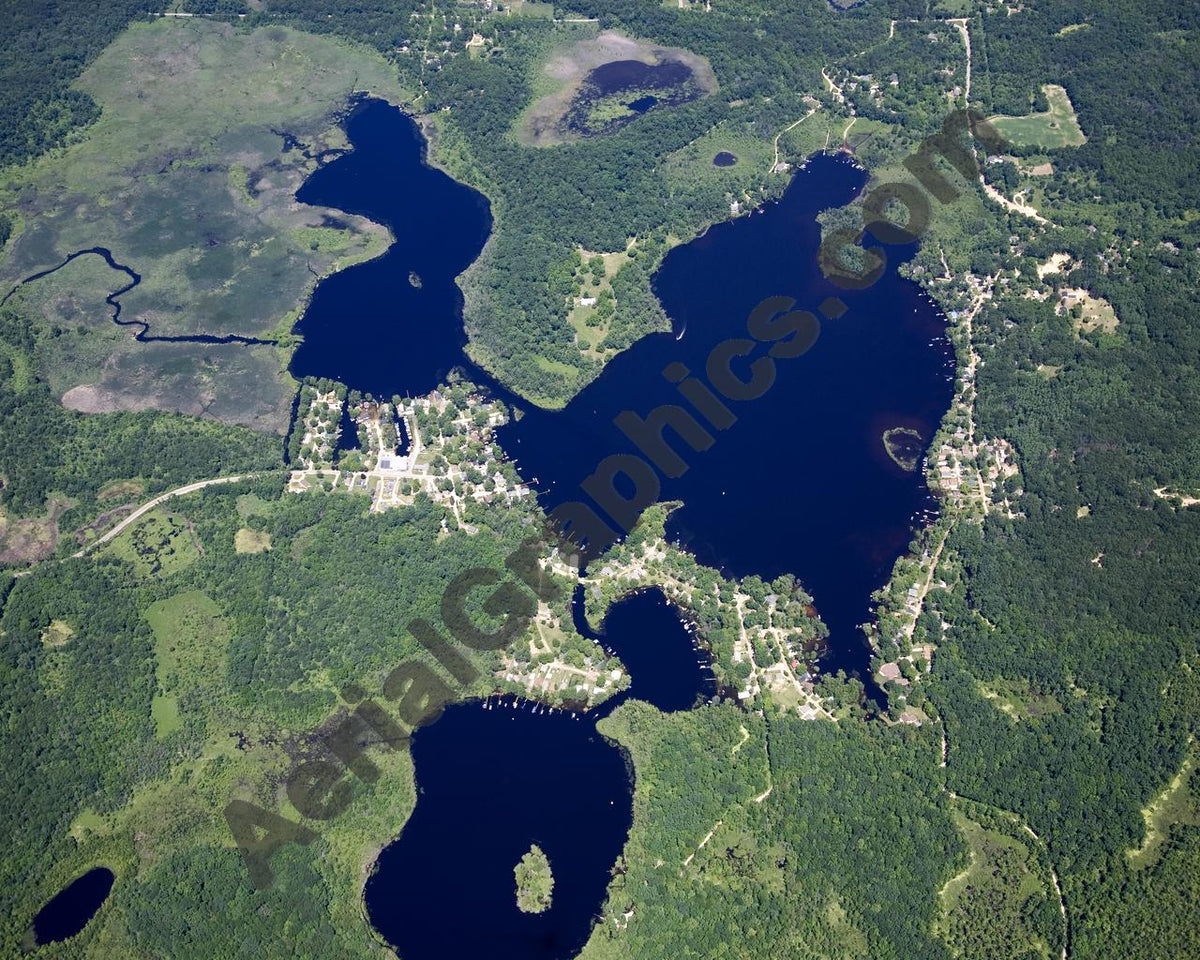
column 619, row 75
column 639, row 86
column 495, row 777
column 73, row 906
column 724, row 159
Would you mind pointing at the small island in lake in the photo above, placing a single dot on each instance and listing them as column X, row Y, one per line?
column 535, row 882
column 903, row 445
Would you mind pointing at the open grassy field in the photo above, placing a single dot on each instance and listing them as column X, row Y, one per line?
column 1177, row 804
column 590, row 326
column 1052, row 130
column 164, row 709
column 190, row 636
column 120, row 490
column 695, row 161
column 1016, row 699
column 986, row 907
column 158, row 545
column 251, row 541
column 58, row 633
column 186, row 179
column 1088, row 312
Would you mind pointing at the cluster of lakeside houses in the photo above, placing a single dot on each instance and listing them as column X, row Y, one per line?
column 971, row 474
column 397, row 457
column 560, row 683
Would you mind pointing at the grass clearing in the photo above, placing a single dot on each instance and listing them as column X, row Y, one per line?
column 252, row 505
column 120, row 490
column 251, row 541
column 159, row 545
column 1177, row 804
column 164, row 709
column 956, row 8
column 57, row 634
column 984, row 908
column 530, row 8
column 87, row 824
column 1058, row 127
column 1088, row 312
column 591, row 320
column 1018, row 700
column 557, row 366
column 190, row 636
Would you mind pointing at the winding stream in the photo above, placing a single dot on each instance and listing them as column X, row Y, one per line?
column 142, row 335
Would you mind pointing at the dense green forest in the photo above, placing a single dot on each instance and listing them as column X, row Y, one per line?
column 44, row 46
column 143, row 686
column 249, row 648
column 843, row 858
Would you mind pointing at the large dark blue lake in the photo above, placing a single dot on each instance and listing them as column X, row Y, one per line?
column 495, row 777
column 801, row 482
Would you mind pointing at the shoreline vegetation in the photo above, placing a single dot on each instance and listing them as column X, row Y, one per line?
column 903, row 446
column 545, row 122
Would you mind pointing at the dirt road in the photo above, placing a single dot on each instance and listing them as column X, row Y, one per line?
column 151, row 504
